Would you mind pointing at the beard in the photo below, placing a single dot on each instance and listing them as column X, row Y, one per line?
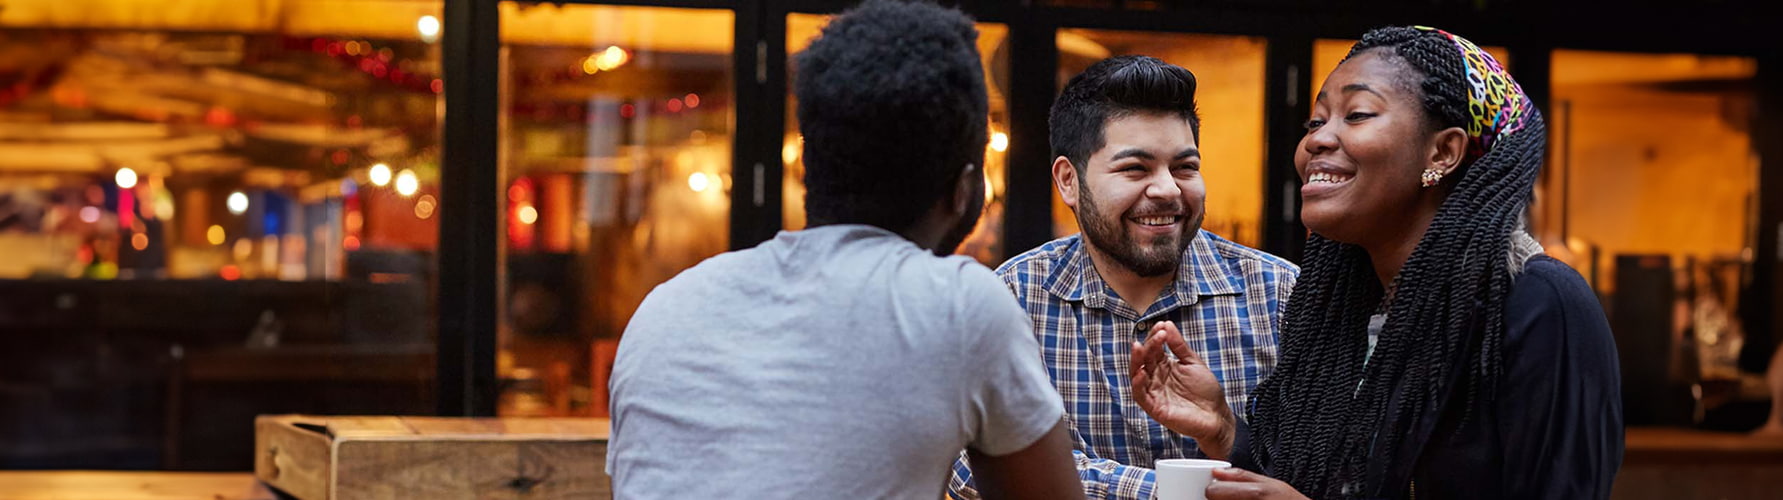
column 1147, row 257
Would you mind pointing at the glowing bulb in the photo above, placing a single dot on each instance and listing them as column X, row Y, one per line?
column 214, row 234
column 590, row 65
column 89, row 214
column 528, row 215
column 789, row 153
column 126, row 178
column 429, row 27
column 237, row 203
column 139, row 241
column 698, row 182
column 406, row 183
column 999, row 142
column 611, row 58
column 380, row 175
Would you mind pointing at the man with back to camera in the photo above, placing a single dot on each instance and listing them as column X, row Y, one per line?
column 828, row 362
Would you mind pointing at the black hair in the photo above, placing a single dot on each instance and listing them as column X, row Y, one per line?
column 891, row 102
column 1113, row 88
column 1316, row 427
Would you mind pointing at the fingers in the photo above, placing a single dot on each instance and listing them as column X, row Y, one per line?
column 1223, row 490
column 1172, row 339
column 1137, row 366
column 1234, row 484
column 1236, row 474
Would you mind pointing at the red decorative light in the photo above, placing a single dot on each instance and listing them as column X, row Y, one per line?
column 219, row 117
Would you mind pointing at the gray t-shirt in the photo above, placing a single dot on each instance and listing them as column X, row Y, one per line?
column 834, row 362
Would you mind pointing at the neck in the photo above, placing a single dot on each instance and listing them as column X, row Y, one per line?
column 1138, row 291
column 929, row 230
column 1388, row 254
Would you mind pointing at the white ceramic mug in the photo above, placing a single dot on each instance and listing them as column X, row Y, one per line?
column 1185, row 478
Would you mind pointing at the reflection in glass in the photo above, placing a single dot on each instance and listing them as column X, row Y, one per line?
column 1651, row 157
column 188, row 199
column 985, row 242
column 1229, row 91
column 616, row 148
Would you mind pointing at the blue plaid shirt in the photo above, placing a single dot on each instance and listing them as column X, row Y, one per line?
column 1227, row 301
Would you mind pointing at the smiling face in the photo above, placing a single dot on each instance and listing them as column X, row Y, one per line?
column 1365, row 151
column 1140, row 199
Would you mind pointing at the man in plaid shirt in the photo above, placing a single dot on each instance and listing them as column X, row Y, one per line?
column 1124, row 134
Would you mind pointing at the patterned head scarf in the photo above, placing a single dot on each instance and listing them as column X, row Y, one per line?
column 1496, row 103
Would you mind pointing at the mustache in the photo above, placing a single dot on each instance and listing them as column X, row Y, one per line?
column 1156, row 209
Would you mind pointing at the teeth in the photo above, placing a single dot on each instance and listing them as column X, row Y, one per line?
column 1157, row 221
column 1326, row 177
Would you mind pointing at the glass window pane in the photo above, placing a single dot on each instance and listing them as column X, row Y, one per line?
column 1229, row 91
column 210, row 211
column 1652, row 159
column 985, row 242
column 616, row 150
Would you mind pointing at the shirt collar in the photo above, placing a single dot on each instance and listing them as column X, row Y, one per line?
column 1203, row 272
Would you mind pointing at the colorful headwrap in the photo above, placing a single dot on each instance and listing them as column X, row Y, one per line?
column 1494, row 100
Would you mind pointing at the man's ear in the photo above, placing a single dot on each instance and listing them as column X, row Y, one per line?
column 1064, row 178
column 970, row 179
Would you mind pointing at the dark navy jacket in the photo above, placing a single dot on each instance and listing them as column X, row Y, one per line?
column 1553, row 431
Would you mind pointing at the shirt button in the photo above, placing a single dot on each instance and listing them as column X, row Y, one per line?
column 1143, row 329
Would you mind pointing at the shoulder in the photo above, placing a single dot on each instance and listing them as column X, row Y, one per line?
column 1552, row 310
column 1250, row 260
column 1546, row 284
column 1036, row 267
column 1041, row 260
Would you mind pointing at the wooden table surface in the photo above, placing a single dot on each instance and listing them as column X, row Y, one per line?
column 131, row 485
column 1669, row 445
column 1745, row 460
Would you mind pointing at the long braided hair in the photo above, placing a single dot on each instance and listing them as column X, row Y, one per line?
column 1311, row 422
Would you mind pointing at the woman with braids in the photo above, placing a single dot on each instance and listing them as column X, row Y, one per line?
column 1430, row 349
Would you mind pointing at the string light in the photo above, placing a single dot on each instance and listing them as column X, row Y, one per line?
column 237, row 203
column 380, row 175
column 429, row 27
column 406, row 183
column 698, row 182
column 126, row 178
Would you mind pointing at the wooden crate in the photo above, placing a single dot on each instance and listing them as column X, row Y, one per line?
column 372, row 458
